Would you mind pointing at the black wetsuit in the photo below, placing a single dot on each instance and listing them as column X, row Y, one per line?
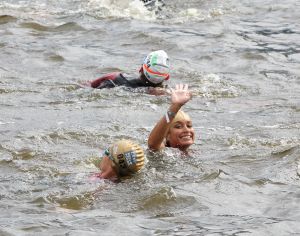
column 118, row 79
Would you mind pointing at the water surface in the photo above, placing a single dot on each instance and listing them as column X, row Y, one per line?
column 241, row 59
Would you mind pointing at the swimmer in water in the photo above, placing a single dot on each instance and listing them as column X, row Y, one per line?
column 175, row 129
column 124, row 158
column 153, row 72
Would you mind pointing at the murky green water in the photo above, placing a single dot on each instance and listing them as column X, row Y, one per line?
column 241, row 59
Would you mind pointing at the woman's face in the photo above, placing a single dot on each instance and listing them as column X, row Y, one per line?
column 181, row 134
column 107, row 171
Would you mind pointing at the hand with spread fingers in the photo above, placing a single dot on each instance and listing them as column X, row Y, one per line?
column 181, row 94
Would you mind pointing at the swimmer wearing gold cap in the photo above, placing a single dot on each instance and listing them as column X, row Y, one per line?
column 175, row 129
column 123, row 158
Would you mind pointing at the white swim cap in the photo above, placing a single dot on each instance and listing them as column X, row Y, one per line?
column 156, row 67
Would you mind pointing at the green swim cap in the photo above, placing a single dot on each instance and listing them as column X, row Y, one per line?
column 156, row 67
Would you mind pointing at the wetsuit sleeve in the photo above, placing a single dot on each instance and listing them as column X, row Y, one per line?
column 97, row 83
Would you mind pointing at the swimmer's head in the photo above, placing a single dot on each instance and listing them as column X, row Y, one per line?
column 156, row 67
column 181, row 132
column 127, row 157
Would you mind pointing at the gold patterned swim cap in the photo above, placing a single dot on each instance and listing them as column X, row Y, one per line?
column 127, row 156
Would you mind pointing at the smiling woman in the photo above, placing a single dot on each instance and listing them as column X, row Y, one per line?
column 180, row 133
column 175, row 129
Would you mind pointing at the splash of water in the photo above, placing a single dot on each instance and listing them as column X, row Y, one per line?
column 119, row 9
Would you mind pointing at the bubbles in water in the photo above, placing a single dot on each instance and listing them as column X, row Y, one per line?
column 118, row 8
column 213, row 86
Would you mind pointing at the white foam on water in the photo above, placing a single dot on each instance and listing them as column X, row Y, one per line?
column 31, row 10
column 133, row 9
column 195, row 14
column 119, row 9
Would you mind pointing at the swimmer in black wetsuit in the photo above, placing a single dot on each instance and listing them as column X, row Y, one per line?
column 154, row 70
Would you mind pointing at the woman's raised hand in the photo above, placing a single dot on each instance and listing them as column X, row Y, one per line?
column 180, row 95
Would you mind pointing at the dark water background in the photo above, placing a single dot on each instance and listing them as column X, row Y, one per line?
column 240, row 58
